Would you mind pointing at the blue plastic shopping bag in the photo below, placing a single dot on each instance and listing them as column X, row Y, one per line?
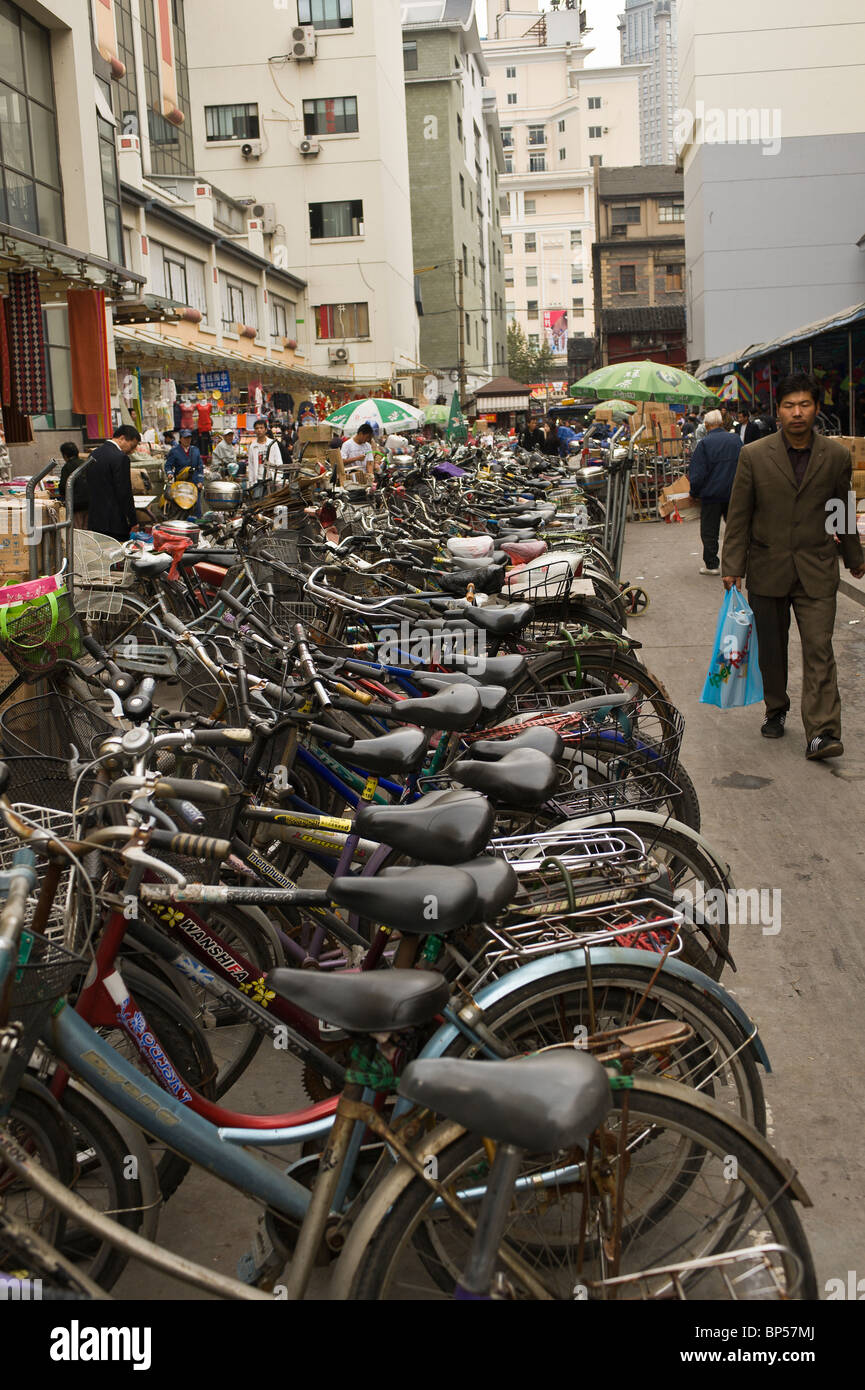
column 734, row 676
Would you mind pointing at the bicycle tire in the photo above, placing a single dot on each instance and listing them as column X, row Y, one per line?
column 37, row 1124
column 603, row 670
column 410, row 1232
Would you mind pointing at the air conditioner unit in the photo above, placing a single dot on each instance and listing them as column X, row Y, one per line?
column 303, row 43
column 606, row 130
column 338, row 356
column 309, row 148
column 265, row 213
column 251, row 150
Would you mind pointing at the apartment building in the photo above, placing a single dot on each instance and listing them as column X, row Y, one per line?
column 648, row 32
column 639, row 265
column 560, row 120
column 457, row 161
column 773, row 151
column 299, row 111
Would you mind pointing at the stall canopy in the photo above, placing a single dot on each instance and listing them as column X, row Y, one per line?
column 59, row 266
column 148, row 344
column 722, row 366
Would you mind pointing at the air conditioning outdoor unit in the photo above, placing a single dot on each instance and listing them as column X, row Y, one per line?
column 338, row 356
column 303, row 43
column 309, row 148
column 251, row 150
column 265, row 213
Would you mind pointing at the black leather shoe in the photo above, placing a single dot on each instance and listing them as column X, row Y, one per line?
column 824, row 746
column 773, row 726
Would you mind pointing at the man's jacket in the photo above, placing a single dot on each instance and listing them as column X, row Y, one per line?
column 180, row 458
column 713, row 466
column 778, row 533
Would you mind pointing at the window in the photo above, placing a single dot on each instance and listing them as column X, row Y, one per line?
column 627, row 278
column 409, row 57
column 465, row 259
column 594, row 103
column 674, row 281
column 232, row 122
column 537, row 135
column 325, row 14
column 563, row 154
column 509, row 164
column 512, row 98
column 336, row 219
column 459, row 128
column 531, row 276
column 283, row 317
column 341, row 321
column 531, row 241
column 508, row 244
column 531, row 207
column 468, row 328
column 176, row 276
column 562, row 127
column 534, row 338
column 532, row 309
column 595, row 132
column 595, row 161
column 239, row 302
column 330, row 116
column 577, row 305
column 510, row 72
column 510, row 310
column 619, row 216
column 471, row 204
column 110, row 189
column 537, row 163
column 508, row 138
column 170, row 145
column 576, row 239
column 576, row 274
column 462, row 191
column 671, row 210
column 30, row 186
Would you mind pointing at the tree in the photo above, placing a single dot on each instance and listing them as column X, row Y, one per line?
column 520, row 355
column 544, row 361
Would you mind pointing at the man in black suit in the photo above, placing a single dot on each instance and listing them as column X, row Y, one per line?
column 109, row 482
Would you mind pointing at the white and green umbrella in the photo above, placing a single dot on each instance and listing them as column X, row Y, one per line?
column 389, row 415
column 437, row 414
column 645, row 381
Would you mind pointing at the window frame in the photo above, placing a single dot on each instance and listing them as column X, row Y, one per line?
column 344, row 308
column 221, row 139
column 409, row 46
column 595, row 132
column 307, row 7
column 355, row 217
column 623, row 288
column 311, row 119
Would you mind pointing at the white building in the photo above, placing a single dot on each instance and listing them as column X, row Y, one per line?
column 559, row 120
column 773, row 152
column 648, row 30
column 310, row 127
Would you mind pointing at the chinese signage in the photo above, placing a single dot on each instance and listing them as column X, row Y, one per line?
column 556, row 330
column 214, row 381
column 556, row 389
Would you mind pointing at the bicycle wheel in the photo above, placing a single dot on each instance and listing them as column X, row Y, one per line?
column 602, row 670
column 696, row 1198
column 37, row 1125
column 718, row 1060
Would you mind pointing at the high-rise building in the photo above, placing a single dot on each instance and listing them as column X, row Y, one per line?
column 560, row 120
column 773, row 152
column 648, row 30
column 298, row 108
column 457, row 161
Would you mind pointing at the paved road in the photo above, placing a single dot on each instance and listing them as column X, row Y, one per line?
column 783, row 824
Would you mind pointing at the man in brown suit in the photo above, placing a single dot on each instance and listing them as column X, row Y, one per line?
column 783, row 531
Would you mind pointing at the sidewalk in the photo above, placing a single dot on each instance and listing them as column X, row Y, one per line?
column 785, row 824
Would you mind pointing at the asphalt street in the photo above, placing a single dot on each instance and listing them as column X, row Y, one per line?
column 783, row 824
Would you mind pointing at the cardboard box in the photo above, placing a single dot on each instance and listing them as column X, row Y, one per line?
column 677, row 498
column 858, row 483
column 856, row 445
column 16, row 542
column 315, row 434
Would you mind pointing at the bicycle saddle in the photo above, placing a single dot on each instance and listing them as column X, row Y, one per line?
column 493, row 697
column 541, row 739
column 521, row 778
column 495, row 880
column 401, row 752
column 225, row 558
column 442, row 827
column 418, row 902
column 152, row 563
column 456, row 708
column 529, row 520
column 543, row 1103
column 496, row 670
column 489, row 580
column 519, row 552
column 375, row 1003
column 501, row 622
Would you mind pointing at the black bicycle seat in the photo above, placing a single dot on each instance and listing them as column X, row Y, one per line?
column 541, row 1104
column 152, row 563
column 495, row 880
column 442, row 828
column 401, row 752
column 523, row 778
column 456, row 708
column 500, row 622
column 418, row 902
column 495, row 670
column 377, row 1002
column 224, row 558
column 541, row 739
column 489, row 581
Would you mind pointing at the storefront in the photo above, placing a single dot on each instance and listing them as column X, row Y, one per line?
column 503, row 404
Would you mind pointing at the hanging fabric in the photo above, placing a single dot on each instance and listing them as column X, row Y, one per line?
column 27, row 343
column 5, row 359
column 88, row 342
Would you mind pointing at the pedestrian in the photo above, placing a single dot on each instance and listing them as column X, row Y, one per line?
column 73, row 459
column 225, row 452
column 564, row 437
column 263, row 456
column 711, row 474
column 204, row 431
column 779, row 535
column 689, row 424
column 186, row 456
column 532, row 436
column 109, row 479
column 357, row 456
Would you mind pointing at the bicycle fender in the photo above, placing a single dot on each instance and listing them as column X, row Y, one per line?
column 546, row 967
column 379, row 1204
column 651, row 819
column 782, row 1166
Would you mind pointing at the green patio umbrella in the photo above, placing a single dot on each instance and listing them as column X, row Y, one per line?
column 645, row 381
column 387, row 414
column 627, row 406
column 436, row 414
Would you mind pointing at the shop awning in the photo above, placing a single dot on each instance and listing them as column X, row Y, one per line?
column 59, row 266
column 722, row 366
column 148, row 344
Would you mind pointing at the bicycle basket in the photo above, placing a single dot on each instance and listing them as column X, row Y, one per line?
column 37, row 634
column 52, row 726
column 59, row 926
column 45, row 972
column 101, row 560
column 45, row 783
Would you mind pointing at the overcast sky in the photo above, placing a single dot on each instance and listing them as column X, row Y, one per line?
column 602, row 17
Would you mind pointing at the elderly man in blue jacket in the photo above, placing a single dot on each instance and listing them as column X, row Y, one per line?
column 186, row 455
column 713, row 468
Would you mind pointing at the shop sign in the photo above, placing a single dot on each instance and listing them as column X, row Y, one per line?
column 214, row 381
